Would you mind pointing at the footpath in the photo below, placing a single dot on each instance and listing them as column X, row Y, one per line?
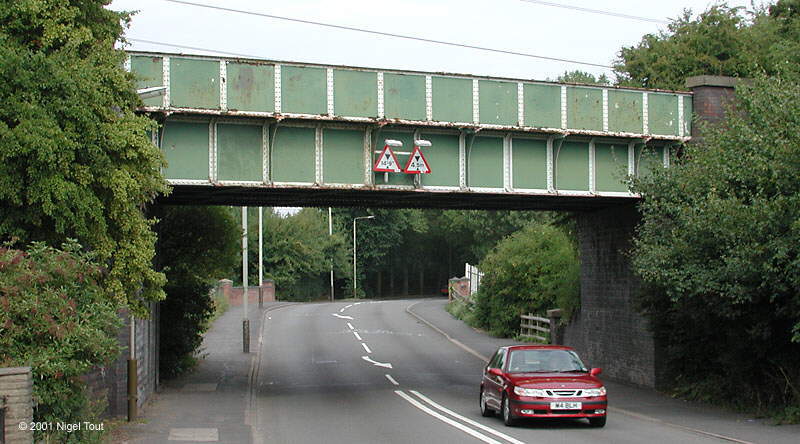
column 210, row 403
column 642, row 403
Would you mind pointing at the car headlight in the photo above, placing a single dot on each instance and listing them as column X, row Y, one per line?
column 529, row 392
column 595, row 392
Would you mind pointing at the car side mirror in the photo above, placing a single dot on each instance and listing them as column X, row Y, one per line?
column 595, row 371
column 495, row 372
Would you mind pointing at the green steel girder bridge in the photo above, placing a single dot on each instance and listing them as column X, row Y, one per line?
column 257, row 132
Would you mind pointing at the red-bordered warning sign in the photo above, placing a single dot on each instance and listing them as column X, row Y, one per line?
column 387, row 161
column 417, row 163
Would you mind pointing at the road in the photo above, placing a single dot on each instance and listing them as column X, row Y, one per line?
column 371, row 373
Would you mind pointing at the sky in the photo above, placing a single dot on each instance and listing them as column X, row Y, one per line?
column 525, row 26
column 515, row 25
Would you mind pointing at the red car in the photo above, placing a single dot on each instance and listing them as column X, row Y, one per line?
column 542, row 381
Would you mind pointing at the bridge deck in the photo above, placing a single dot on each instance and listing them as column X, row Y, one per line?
column 273, row 125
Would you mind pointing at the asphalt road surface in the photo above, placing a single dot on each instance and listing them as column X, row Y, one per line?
column 371, row 373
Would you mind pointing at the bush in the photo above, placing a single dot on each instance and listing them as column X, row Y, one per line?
column 718, row 248
column 533, row 270
column 55, row 318
column 196, row 245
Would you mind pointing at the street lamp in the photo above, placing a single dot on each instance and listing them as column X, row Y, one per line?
column 355, row 280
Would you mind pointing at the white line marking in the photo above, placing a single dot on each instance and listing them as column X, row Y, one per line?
column 342, row 317
column 467, row 420
column 379, row 364
column 389, row 377
column 447, row 420
column 366, row 348
column 350, row 326
column 357, row 335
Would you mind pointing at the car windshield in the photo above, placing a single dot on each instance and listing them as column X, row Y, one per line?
column 542, row 360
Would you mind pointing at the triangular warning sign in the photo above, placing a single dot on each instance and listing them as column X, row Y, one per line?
column 387, row 162
column 417, row 163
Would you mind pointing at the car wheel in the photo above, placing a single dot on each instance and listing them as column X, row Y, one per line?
column 599, row 421
column 485, row 410
column 508, row 417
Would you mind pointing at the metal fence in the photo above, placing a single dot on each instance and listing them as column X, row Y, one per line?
column 474, row 275
column 535, row 327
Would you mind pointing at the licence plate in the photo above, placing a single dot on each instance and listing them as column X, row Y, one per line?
column 565, row 406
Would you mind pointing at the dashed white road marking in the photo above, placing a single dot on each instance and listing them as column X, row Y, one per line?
column 376, row 363
column 345, row 308
column 350, row 326
column 389, row 377
column 447, row 420
column 467, row 420
column 341, row 316
column 366, row 347
column 357, row 335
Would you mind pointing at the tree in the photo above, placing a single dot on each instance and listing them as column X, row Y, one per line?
column 532, row 270
column 196, row 246
column 76, row 161
column 720, row 41
column 719, row 248
column 55, row 318
column 578, row 76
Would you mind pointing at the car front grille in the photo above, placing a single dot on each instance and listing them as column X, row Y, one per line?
column 563, row 393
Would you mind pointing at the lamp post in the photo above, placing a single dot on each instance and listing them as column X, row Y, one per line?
column 355, row 280
column 330, row 233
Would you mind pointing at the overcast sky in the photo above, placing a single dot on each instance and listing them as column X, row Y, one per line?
column 515, row 25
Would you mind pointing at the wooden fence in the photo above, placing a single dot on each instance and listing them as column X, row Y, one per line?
column 534, row 327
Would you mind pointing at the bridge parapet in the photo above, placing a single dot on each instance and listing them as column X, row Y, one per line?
column 244, row 124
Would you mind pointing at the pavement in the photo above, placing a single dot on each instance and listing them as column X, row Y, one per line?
column 210, row 402
column 387, row 371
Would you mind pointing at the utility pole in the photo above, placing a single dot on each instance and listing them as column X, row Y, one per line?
column 330, row 233
column 245, row 295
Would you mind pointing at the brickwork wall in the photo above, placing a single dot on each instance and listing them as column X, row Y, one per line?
column 110, row 383
column 16, row 391
column 608, row 332
column 235, row 294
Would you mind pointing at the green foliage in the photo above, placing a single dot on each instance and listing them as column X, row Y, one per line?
column 76, row 162
column 719, row 247
column 55, row 318
column 462, row 310
column 532, row 270
column 298, row 253
column 196, row 246
column 578, row 76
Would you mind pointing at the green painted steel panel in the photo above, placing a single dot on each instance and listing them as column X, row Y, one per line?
column 194, row 83
column 662, row 110
column 185, row 146
column 355, row 93
column 572, row 166
column 239, row 153
column 498, row 102
column 625, row 111
column 648, row 159
column 688, row 117
column 404, row 96
column 251, row 87
column 408, row 145
column 343, row 156
column 304, row 90
column 542, row 105
column 485, row 162
column 584, row 108
column 529, row 163
column 611, row 166
column 452, row 99
column 293, row 156
column 149, row 72
column 442, row 157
